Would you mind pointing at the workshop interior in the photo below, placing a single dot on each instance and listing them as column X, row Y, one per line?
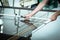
column 13, row 25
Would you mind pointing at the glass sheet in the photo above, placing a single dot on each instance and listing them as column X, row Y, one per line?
column 14, row 24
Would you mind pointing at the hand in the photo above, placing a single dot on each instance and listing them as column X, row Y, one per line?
column 28, row 16
column 53, row 17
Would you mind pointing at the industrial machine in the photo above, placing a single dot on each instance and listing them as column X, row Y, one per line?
column 23, row 28
column 14, row 22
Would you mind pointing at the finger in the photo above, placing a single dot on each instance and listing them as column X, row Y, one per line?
column 23, row 16
column 53, row 19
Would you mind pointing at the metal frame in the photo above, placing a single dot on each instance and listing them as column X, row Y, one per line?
column 26, row 8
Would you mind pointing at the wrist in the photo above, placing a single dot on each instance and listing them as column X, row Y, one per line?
column 56, row 14
column 31, row 14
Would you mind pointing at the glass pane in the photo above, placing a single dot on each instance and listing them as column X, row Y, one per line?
column 14, row 23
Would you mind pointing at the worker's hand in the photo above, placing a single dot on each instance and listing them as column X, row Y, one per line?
column 53, row 17
column 28, row 16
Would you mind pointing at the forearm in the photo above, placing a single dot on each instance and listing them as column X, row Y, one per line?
column 57, row 13
column 39, row 7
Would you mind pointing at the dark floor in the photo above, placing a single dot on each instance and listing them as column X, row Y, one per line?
column 5, row 37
